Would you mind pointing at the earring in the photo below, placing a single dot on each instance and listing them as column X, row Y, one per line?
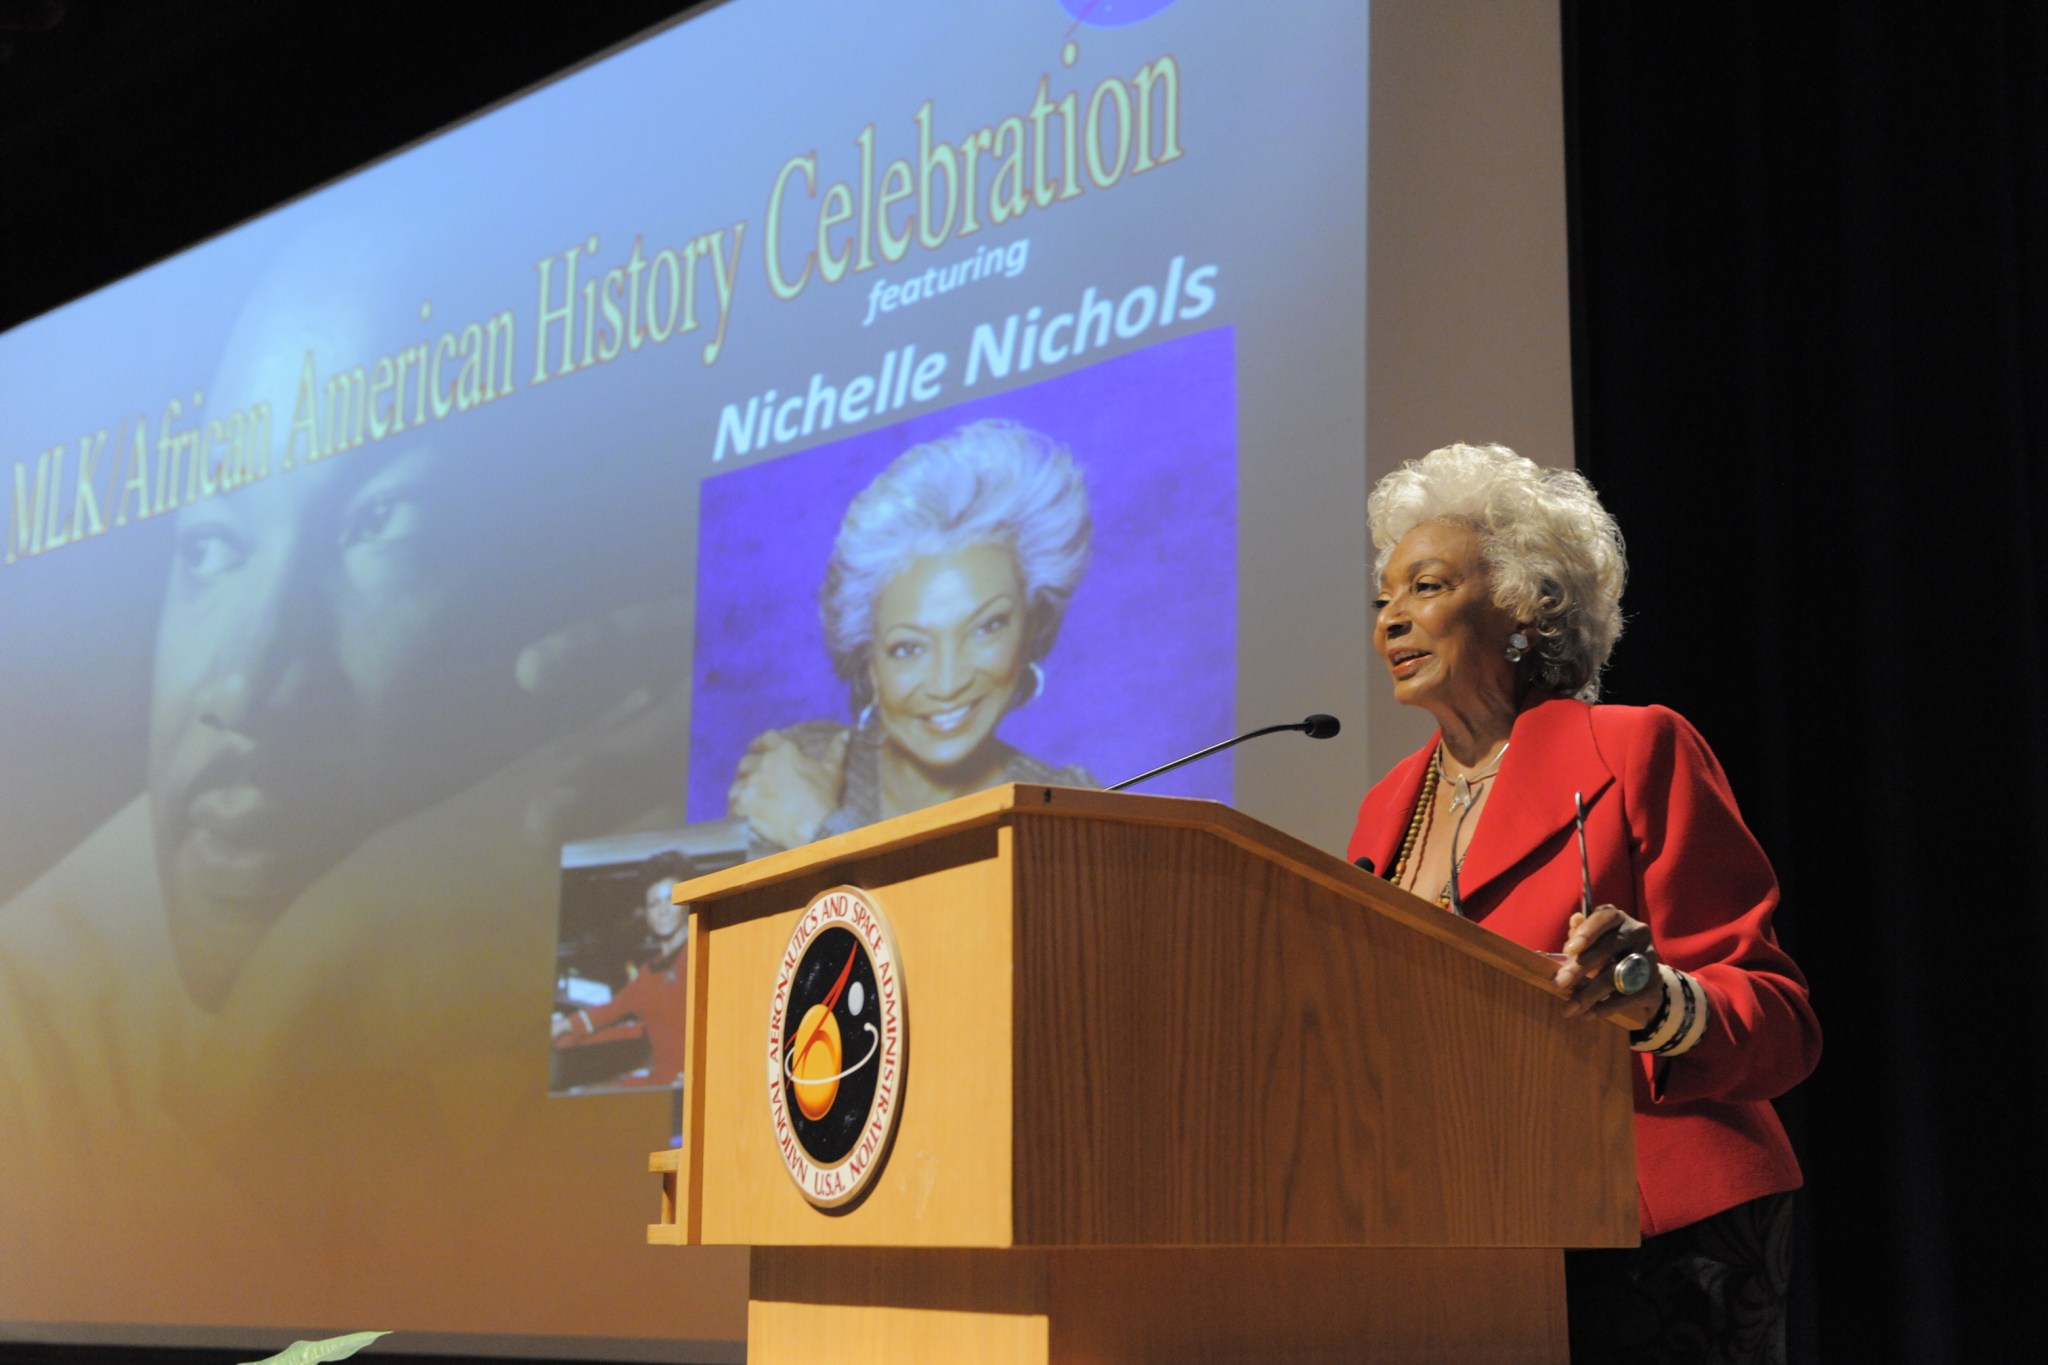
column 1518, row 645
column 1037, row 683
column 867, row 714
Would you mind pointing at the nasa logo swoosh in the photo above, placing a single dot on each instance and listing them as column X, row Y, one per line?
column 837, row 1045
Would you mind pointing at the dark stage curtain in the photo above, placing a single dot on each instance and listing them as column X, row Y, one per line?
column 1810, row 276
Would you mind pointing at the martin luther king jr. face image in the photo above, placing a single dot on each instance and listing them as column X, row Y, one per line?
column 319, row 672
column 340, row 640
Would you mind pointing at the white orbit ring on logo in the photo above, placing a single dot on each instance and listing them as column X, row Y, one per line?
column 789, row 1061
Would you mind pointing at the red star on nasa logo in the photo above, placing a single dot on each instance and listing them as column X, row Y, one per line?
column 837, row 1044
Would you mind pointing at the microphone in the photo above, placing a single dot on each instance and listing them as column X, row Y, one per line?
column 1318, row 726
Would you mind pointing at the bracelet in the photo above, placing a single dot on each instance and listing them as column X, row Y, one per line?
column 1640, row 1038
column 1683, row 1040
column 1690, row 1035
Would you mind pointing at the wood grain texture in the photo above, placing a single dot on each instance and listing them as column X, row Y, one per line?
column 1208, row 1033
column 819, row 859
column 667, row 1229
column 1304, row 859
column 946, row 1181
column 689, row 1178
column 1147, row 1305
column 786, row 1333
column 1216, row 1050
column 998, row 804
column 939, row 1280
column 1321, row 1306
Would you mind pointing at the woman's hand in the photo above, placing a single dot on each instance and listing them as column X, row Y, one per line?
column 1594, row 944
column 783, row 792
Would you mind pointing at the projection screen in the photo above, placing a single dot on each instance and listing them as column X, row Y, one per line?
column 399, row 587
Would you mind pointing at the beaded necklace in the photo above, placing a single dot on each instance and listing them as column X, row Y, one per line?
column 1423, row 816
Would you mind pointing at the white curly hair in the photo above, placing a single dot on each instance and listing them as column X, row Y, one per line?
column 1553, row 554
column 989, row 483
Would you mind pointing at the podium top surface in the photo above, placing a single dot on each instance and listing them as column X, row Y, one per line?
column 1014, row 802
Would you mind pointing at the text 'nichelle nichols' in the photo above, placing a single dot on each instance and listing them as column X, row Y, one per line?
column 995, row 350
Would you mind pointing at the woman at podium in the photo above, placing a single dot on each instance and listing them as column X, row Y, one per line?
column 945, row 591
column 1606, row 836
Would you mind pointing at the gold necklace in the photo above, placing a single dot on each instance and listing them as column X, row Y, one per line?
column 1420, row 819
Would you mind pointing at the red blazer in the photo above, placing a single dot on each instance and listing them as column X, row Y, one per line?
column 656, row 995
column 1668, row 846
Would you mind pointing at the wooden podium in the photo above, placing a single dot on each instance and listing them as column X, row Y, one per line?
column 1177, row 1087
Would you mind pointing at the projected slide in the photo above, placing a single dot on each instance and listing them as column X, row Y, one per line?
column 1095, row 639
column 790, row 421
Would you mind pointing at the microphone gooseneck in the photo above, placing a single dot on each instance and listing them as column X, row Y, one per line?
column 1318, row 726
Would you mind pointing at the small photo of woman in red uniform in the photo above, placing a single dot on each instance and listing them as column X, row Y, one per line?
column 619, row 985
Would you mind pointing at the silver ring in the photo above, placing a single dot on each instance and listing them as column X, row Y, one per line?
column 1632, row 973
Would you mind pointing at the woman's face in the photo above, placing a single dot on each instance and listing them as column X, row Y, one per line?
column 664, row 917
column 1437, row 627
column 948, row 652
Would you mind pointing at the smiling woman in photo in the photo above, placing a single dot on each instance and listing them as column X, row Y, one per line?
column 948, row 581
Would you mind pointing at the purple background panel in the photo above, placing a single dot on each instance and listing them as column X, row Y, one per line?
column 1145, row 667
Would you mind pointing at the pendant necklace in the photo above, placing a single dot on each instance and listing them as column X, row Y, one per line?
column 1462, row 794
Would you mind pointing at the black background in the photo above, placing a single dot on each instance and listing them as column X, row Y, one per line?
column 1810, row 286
column 1810, row 360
